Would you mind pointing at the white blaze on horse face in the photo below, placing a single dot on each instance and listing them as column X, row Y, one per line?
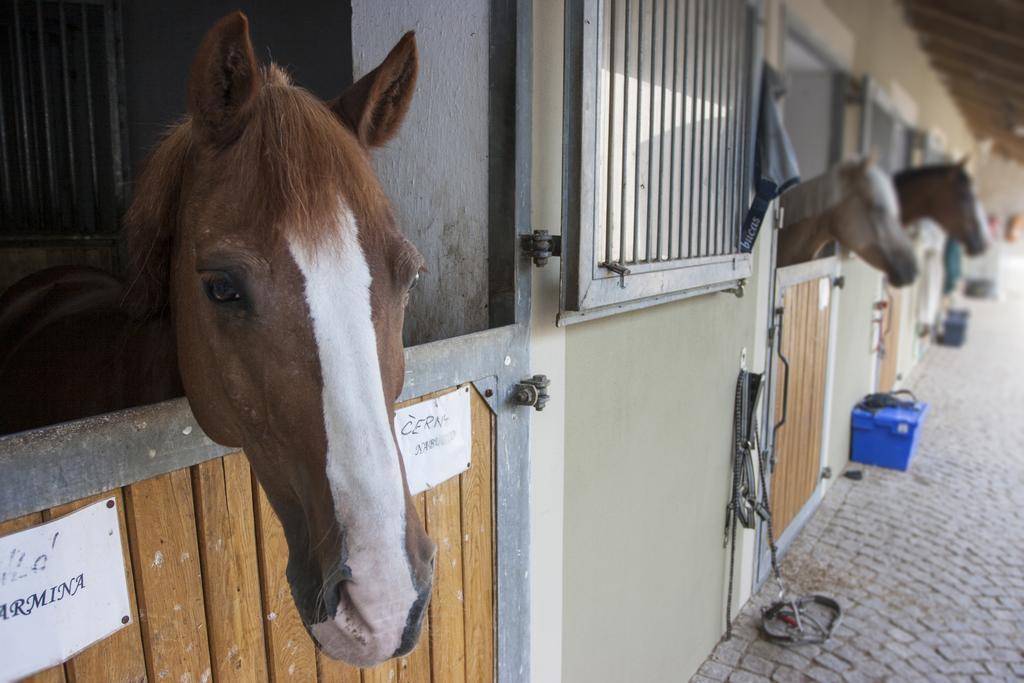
column 862, row 226
column 362, row 459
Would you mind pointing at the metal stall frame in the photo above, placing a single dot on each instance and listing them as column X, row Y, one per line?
column 872, row 93
column 65, row 462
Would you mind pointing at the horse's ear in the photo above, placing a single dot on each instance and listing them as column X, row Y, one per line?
column 375, row 105
column 150, row 222
column 224, row 80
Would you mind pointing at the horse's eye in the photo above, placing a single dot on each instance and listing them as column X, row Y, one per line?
column 221, row 290
column 415, row 281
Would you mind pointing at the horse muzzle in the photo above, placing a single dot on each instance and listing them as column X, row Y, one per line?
column 371, row 623
column 901, row 269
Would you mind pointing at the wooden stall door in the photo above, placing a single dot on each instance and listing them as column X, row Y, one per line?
column 206, row 557
column 889, row 343
column 805, row 342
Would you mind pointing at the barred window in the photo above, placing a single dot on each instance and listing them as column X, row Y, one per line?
column 60, row 119
column 659, row 112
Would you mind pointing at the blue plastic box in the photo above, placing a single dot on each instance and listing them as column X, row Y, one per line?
column 887, row 437
column 954, row 328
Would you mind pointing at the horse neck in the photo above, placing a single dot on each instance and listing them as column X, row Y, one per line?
column 916, row 197
column 800, row 241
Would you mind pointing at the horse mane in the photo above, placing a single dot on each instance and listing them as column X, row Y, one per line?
column 291, row 163
column 827, row 191
column 819, row 194
column 931, row 172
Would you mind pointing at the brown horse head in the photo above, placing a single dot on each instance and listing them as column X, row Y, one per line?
column 858, row 209
column 944, row 193
column 260, row 223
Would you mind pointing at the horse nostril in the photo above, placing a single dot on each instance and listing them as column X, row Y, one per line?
column 331, row 594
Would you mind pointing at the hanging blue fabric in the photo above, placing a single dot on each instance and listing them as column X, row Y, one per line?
column 775, row 165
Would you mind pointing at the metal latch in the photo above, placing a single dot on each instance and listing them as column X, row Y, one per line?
column 617, row 268
column 540, row 246
column 532, row 391
column 839, row 281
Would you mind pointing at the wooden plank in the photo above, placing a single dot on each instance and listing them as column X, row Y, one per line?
column 119, row 658
column 805, row 343
column 477, row 487
column 332, row 671
column 415, row 667
column 799, row 339
column 169, row 587
column 291, row 655
column 818, row 398
column 447, row 625
column 382, row 673
column 54, row 674
column 227, row 547
column 789, row 446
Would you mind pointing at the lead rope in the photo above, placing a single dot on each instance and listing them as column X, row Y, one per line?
column 741, row 452
column 731, row 511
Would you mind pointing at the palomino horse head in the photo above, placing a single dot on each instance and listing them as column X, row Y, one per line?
column 944, row 193
column 855, row 204
column 260, row 223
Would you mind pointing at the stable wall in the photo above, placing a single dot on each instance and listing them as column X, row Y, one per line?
column 887, row 48
column 630, row 461
column 999, row 181
column 648, row 422
column 855, row 357
column 629, row 488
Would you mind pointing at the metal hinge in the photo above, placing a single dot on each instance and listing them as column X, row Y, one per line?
column 532, row 391
column 839, row 281
column 738, row 290
column 826, row 472
column 541, row 245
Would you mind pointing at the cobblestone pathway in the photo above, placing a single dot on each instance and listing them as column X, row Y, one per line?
column 929, row 564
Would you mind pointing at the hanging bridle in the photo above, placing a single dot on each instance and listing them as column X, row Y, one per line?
column 788, row 619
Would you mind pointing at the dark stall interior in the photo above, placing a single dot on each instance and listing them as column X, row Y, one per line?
column 86, row 90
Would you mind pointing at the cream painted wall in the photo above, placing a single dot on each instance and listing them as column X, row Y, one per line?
column 856, row 362
column 829, row 34
column 999, row 182
column 648, row 422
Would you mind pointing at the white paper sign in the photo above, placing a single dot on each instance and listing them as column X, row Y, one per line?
column 824, row 291
column 62, row 588
column 435, row 438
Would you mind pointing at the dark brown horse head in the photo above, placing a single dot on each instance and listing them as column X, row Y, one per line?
column 944, row 193
column 260, row 223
